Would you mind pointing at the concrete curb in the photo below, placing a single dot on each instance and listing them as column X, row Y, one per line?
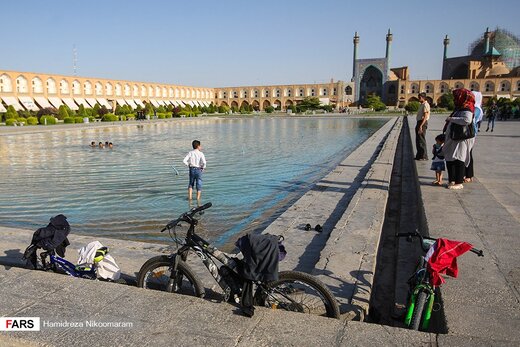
column 347, row 263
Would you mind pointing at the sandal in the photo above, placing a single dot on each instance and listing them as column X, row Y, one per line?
column 437, row 183
column 468, row 180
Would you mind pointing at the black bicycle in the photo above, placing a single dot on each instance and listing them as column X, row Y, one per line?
column 293, row 291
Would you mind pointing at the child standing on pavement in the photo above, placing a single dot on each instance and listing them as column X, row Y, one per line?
column 438, row 164
column 196, row 162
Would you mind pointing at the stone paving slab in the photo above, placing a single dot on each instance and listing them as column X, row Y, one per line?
column 484, row 301
column 161, row 319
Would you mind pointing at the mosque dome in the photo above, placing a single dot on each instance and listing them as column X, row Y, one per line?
column 498, row 70
column 506, row 43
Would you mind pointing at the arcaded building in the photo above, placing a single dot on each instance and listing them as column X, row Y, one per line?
column 33, row 91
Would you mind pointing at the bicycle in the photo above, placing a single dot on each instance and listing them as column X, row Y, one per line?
column 422, row 291
column 293, row 291
column 52, row 262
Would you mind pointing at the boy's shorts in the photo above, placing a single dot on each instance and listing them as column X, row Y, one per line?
column 438, row 166
column 195, row 178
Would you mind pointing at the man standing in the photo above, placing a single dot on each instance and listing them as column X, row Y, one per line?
column 423, row 114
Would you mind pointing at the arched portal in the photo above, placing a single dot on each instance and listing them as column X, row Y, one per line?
column 265, row 104
column 371, row 83
column 244, row 104
column 256, row 105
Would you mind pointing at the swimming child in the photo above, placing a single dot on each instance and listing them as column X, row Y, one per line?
column 93, row 144
column 438, row 164
column 101, row 145
column 196, row 161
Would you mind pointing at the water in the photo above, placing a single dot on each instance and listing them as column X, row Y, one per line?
column 256, row 166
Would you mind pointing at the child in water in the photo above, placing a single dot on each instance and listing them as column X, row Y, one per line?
column 196, row 162
column 438, row 164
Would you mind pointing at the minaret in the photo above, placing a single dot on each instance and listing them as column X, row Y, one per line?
column 356, row 41
column 446, row 43
column 389, row 38
column 486, row 38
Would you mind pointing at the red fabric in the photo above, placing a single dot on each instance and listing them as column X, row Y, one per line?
column 464, row 98
column 444, row 259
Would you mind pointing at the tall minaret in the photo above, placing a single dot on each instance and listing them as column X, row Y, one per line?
column 389, row 38
column 446, row 43
column 356, row 41
column 486, row 38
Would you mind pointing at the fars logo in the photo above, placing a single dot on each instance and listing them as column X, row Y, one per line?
column 19, row 323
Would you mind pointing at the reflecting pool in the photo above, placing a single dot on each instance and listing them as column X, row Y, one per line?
column 256, row 167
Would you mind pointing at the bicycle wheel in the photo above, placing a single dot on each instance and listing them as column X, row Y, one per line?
column 420, row 303
column 156, row 274
column 300, row 292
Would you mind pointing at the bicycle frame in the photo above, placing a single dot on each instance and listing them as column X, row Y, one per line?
column 66, row 266
column 207, row 253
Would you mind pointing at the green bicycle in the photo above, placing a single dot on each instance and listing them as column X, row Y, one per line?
column 422, row 287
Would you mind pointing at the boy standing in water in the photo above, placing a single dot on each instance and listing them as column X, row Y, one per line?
column 196, row 162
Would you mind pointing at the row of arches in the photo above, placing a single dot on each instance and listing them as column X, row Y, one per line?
column 488, row 86
column 97, row 88
column 274, row 92
column 277, row 104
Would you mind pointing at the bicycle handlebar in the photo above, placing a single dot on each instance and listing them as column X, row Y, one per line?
column 187, row 216
column 478, row 252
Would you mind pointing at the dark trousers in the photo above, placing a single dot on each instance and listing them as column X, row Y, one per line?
column 469, row 169
column 420, row 141
column 456, row 171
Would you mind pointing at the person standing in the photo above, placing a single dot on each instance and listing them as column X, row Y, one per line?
column 492, row 113
column 423, row 114
column 196, row 162
column 457, row 153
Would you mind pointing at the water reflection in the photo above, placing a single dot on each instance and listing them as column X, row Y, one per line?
column 254, row 166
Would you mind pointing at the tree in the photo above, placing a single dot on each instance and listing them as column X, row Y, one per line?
column 148, row 109
column 223, row 109
column 62, row 112
column 374, row 102
column 412, row 106
column 11, row 112
column 310, row 103
column 446, row 101
column 48, row 111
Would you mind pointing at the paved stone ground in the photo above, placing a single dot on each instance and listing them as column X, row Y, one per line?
column 484, row 300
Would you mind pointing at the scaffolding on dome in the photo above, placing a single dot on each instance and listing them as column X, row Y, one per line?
column 507, row 43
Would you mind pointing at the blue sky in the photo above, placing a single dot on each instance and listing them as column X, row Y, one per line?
column 230, row 42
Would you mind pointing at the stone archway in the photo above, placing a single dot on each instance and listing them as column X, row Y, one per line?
column 244, row 105
column 288, row 104
column 277, row 104
column 265, row 104
column 371, row 83
column 223, row 103
column 256, row 105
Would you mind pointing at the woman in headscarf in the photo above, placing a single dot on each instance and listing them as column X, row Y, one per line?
column 477, row 118
column 458, row 152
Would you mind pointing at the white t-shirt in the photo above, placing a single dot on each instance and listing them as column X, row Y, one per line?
column 195, row 158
